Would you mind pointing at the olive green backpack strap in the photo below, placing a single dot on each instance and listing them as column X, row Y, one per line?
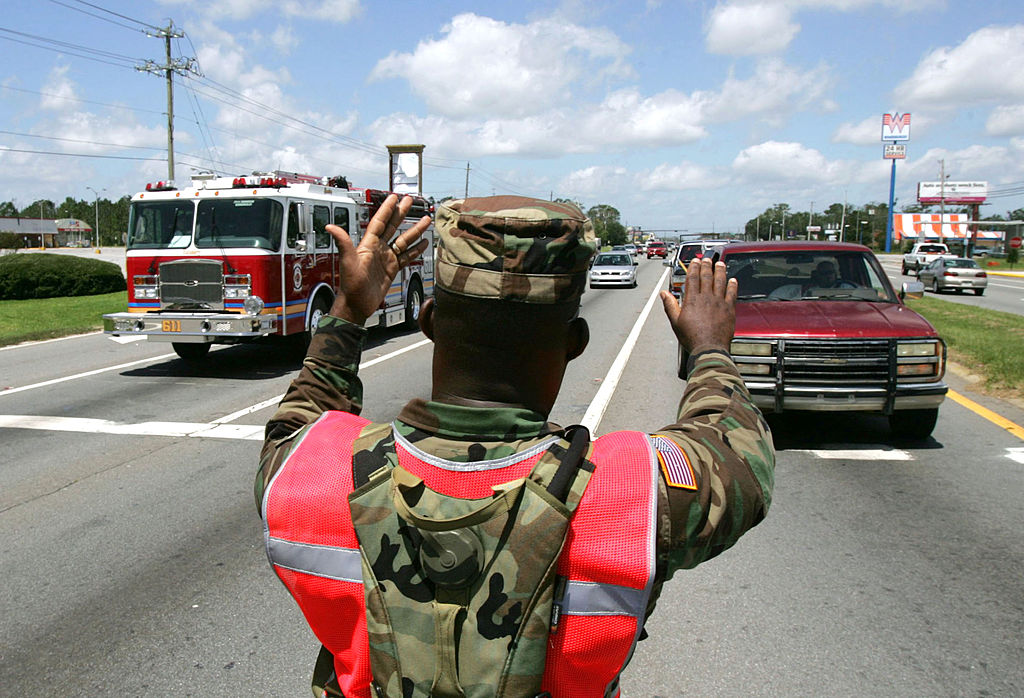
column 447, row 577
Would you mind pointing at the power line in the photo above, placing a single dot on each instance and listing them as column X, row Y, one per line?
column 83, row 101
column 78, row 155
column 100, row 17
column 79, row 140
column 116, row 14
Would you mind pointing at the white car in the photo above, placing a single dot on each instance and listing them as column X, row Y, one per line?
column 613, row 269
column 633, row 249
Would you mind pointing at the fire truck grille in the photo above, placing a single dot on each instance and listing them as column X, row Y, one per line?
column 192, row 284
column 836, row 363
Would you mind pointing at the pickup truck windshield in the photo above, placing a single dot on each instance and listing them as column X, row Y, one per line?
column 809, row 275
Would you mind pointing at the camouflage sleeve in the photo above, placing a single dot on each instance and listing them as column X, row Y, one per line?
column 327, row 381
column 729, row 446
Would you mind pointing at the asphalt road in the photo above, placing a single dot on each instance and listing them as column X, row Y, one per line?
column 133, row 563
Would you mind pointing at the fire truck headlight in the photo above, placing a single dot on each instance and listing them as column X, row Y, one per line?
column 253, row 305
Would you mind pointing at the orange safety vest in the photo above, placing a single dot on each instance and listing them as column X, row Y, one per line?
column 608, row 560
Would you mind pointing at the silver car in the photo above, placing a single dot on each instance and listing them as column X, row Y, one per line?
column 613, row 269
column 954, row 273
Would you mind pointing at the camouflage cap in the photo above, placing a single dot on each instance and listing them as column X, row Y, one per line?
column 513, row 248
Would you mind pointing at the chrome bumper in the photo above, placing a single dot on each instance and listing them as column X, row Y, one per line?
column 189, row 327
column 906, row 397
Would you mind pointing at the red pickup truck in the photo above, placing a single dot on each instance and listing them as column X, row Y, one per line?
column 820, row 328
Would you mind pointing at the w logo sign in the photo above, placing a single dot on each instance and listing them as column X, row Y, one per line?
column 896, row 127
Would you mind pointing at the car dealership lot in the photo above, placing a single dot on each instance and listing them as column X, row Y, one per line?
column 133, row 559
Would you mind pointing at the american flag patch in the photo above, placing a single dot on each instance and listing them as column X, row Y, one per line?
column 674, row 464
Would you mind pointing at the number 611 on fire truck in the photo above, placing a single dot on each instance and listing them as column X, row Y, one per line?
column 232, row 259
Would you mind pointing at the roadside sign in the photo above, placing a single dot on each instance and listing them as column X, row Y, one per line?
column 814, row 229
column 894, row 151
column 896, row 127
column 1015, row 242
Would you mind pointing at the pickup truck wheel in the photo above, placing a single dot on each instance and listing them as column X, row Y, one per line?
column 913, row 424
column 903, row 269
column 191, row 352
column 979, row 292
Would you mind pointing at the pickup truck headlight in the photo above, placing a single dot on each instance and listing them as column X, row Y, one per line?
column 920, row 360
column 753, row 358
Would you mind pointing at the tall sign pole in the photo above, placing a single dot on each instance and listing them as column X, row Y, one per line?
column 895, row 128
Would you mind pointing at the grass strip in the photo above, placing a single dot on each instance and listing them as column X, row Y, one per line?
column 45, row 318
column 988, row 342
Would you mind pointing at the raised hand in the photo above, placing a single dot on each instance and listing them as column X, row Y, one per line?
column 368, row 270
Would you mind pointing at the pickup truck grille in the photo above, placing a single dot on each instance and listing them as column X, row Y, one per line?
column 192, row 284
column 835, row 363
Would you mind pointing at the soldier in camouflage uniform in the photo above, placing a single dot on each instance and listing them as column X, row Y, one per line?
column 509, row 275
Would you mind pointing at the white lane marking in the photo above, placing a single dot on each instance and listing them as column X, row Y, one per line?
column 127, row 339
column 857, row 453
column 249, row 410
column 371, row 362
column 104, row 426
column 217, row 429
column 23, row 345
column 1015, row 454
column 277, row 398
column 600, row 402
column 54, row 381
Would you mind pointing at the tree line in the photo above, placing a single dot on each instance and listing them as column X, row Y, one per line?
column 112, row 215
column 866, row 224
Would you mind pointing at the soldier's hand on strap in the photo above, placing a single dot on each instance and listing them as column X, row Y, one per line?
column 368, row 270
column 706, row 319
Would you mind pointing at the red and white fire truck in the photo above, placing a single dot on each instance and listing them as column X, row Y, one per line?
column 233, row 259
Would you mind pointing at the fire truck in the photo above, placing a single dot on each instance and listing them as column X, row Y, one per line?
column 235, row 259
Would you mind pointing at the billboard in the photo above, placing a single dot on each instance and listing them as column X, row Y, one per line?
column 952, row 192
column 896, row 127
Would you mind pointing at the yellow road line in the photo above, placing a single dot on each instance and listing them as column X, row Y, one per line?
column 988, row 414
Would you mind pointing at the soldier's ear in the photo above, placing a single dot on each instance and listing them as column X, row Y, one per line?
column 579, row 338
column 426, row 319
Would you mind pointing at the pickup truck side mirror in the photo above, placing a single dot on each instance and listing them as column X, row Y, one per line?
column 912, row 289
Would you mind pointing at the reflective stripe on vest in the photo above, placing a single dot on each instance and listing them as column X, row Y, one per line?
column 601, row 618
column 329, row 562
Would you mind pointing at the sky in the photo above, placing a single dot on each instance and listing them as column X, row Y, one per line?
column 683, row 115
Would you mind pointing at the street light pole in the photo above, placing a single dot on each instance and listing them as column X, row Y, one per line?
column 96, row 232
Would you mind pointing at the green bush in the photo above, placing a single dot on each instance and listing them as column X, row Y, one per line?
column 25, row 276
column 11, row 241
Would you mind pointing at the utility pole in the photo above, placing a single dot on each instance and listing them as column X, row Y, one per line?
column 942, row 200
column 467, row 182
column 810, row 221
column 97, row 231
column 181, row 66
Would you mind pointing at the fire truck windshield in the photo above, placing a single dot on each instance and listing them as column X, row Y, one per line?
column 157, row 224
column 240, row 223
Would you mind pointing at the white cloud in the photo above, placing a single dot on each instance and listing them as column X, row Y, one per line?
column 58, row 90
column 330, row 10
column 985, row 67
column 748, row 29
column 484, row 66
column 1007, row 120
column 773, row 90
column 867, row 132
column 774, row 160
column 680, row 177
